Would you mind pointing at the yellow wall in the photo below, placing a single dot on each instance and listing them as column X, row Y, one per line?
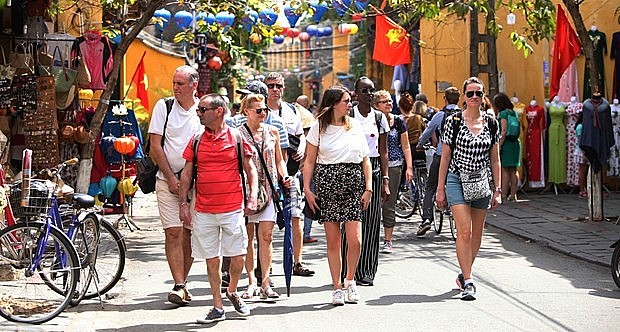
column 445, row 54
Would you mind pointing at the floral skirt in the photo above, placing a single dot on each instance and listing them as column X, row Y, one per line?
column 339, row 188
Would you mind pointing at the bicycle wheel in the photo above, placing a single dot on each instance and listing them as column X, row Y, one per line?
column 615, row 265
column 438, row 220
column 34, row 255
column 85, row 239
column 452, row 227
column 110, row 261
column 405, row 204
column 420, row 190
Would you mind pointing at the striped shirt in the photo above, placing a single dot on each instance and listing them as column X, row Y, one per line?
column 271, row 119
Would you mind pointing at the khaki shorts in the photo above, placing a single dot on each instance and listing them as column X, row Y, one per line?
column 219, row 234
column 168, row 204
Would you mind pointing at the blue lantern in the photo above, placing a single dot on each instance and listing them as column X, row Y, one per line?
column 249, row 19
column 320, row 32
column 164, row 15
column 341, row 6
column 210, row 18
column 202, row 16
column 319, row 10
column 93, row 189
column 225, row 19
column 268, row 16
column 183, row 19
column 312, row 30
column 361, row 4
column 291, row 16
column 327, row 31
column 278, row 39
column 107, row 185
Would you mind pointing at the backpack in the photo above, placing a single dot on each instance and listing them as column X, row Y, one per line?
column 456, row 123
column 377, row 118
column 513, row 129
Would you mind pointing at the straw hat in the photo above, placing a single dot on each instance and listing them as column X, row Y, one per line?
column 64, row 99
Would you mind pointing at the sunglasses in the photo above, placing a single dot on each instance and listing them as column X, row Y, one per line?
column 478, row 93
column 203, row 109
column 368, row 90
column 275, row 86
column 261, row 110
column 387, row 101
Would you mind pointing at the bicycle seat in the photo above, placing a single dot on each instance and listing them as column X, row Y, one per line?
column 83, row 200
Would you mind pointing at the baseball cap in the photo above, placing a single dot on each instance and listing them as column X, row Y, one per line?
column 253, row 87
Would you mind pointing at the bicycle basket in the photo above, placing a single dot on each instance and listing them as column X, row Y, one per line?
column 39, row 201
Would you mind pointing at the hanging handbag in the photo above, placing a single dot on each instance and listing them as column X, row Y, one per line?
column 22, row 62
column 475, row 184
column 6, row 71
column 83, row 74
column 64, row 77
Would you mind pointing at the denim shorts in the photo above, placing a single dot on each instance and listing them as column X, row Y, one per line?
column 454, row 194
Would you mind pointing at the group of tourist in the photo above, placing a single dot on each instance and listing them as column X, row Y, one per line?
column 220, row 178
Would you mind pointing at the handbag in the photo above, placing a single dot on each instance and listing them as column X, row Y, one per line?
column 6, row 71
column 475, row 184
column 83, row 74
column 63, row 77
column 147, row 171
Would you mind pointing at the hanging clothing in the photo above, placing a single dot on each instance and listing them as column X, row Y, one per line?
column 572, row 165
column 598, row 136
column 569, row 83
column 98, row 55
column 615, row 54
column 614, row 153
column 519, row 108
column 600, row 48
column 536, row 126
column 557, row 144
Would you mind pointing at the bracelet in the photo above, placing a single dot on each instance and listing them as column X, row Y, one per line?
column 385, row 177
column 498, row 189
column 368, row 190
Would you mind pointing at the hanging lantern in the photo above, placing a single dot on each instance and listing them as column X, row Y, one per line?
column 183, row 19
column 255, row 38
column 341, row 6
column 278, row 39
column 291, row 16
column 293, row 33
column 107, row 185
column 320, row 32
column 164, row 15
column 124, row 145
column 343, row 28
column 210, row 18
column 511, row 19
column 268, row 16
column 312, row 30
column 93, row 189
column 249, row 19
column 202, row 16
column 85, row 94
column 304, row 36
column 361, row 4
column 214, row 63
column 126, row 187
column 353, row 29
column 357, row 17
column 319, row 10
column 136, row 142
column 225, row 19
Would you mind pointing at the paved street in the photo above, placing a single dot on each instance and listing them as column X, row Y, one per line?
column 523, row 285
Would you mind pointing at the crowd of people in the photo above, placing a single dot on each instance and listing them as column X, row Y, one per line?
column 221, row 176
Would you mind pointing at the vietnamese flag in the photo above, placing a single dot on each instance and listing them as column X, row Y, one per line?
column 391, row 43
column 565, row 49
column 142, row 83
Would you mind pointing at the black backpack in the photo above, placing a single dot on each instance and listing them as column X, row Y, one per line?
column 456, row 123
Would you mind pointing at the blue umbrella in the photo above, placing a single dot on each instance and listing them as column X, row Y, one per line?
column 287, row 246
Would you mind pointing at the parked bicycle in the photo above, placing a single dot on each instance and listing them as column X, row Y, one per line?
column 411, row 195
column 438, row 220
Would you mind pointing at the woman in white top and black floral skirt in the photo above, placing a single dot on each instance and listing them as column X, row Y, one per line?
column 337, row 161
column 469, row 151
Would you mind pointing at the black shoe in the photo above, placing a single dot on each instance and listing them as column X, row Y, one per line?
column 423, row 228
column 365, row 282
column 300, row 270
column 460, row 281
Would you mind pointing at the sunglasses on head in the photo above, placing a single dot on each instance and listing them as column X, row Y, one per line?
column 203, row 109
column 261, row 110
column 275, row 85
column 478, row 93
column 367, row 90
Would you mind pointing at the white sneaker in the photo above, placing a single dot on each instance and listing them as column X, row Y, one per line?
column 352, row 295
column 338, row 297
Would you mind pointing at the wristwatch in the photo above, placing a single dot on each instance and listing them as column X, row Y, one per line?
column 498, row 190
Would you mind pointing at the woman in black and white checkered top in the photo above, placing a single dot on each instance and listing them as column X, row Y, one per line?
column 469, row 152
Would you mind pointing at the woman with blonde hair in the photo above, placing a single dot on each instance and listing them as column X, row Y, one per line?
column 338, row 163
column 414, row 113
column 265, row 142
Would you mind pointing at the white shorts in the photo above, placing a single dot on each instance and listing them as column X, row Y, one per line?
column 168, row 204
column 268, row 214
column 219, row 234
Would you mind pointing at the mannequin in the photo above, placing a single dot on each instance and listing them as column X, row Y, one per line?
column 614, row 153
column 397, row 86
column 557, row 142
column 536, row 125
column 572, row 166
column 519, row 108
column 615, row 54
column 599, row 41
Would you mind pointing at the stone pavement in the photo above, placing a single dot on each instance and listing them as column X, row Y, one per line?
column 560, row 222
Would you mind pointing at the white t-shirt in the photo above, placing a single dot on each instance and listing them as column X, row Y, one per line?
column 291, row 118
column 337, row 145
column 369, row 127
column 182, row 125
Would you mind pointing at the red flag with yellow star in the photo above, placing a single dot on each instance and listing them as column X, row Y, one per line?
column 142, row 83
column 391, row 43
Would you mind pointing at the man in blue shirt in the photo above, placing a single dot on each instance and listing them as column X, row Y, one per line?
column 435, row 127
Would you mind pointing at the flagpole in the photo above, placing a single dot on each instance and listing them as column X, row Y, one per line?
column 134, row 75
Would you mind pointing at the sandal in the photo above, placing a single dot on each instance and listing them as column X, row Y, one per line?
column 300, row 270
column 250, row 292
column 268, row 293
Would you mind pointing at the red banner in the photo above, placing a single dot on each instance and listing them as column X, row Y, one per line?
column 566, row 47
column 391, row 43
column 141, row 81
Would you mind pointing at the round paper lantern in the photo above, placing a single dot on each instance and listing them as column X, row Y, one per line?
column 107, row 185
column 343, row 28
column 93, row 189
column 225, row 19
column 278, row 39
column 136, row 142
column 124, row 145
column 284, row 31
column 249, row 19
column 353, row 29
column 312, row 30
column 214, row 63
column 327, row 31
column 202, row 16
column 304, row 36
column 268, row 16
column 255, row 38
column 319, row 10
column 320, row 32
column 85, row 94
column 164, row 15
column 183, row 19
column 341, row 6
column 126, row 187
column 357, row 17
column 291, row 16
column 293, row 33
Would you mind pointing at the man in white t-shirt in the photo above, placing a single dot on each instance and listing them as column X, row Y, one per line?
column 174, row 130
column 295, row 153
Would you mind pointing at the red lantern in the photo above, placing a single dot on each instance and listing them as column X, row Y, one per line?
column 284, row 31
column 215, row 63
column 255, row 38
column 124, row 145
column 304, row 36
column 136, row 142
column 357, row 17
column 293, row 33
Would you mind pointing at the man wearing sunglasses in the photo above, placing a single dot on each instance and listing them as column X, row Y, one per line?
column 170, row 130
column 295, row 154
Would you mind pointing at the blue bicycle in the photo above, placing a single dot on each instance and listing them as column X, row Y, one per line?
column 411, row 195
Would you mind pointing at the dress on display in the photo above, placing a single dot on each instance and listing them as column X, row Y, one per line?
column 599, row 42
column 572, row 165
column 520, row 109
column 598, row 135
column 536, row 125
column 615, row 54
column 614, row 153
column 557, row 144
column 569, row 84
